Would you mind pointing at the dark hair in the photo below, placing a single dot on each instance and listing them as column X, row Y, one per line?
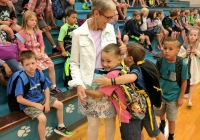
column 173, row 13
column 70, row 12
column 174, row 41
column 159, row 12
column 27, row 54
column 182, row 10
column 151, row 14
column 89, row 15
column 135, row 13
column 136, row 51
column 112, row 48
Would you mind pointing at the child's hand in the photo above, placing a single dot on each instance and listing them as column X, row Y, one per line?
column 103, row 81
column 81, row 94
column 179, row 103
column 194, row 51
column 188, row 51
column 46, row 108
column 64, row 53
column 7, row 23
column 8, row 71
column 39, row 106
column 122, row 47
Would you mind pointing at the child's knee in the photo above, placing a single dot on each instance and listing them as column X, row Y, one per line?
column 51, row 68
column 42, row 119
column 58, row 105
column 7, row 29
column 45, row 29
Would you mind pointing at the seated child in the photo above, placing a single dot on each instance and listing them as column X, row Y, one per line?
column 65, row 41
column 10, row 66
column 135, row 53
column 35, row 103
column 8, row 19
column 33, row 39
column 191, row 19
column 135, row 30
column 121, row 8
column 130, row 128
column 119, row 37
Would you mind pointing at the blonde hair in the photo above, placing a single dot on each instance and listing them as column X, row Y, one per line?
column 103, row 5
column 198, row 23
column 187, row 42
column 112, row 49
column 143, row 11
column 26, row 16
column 187, row 12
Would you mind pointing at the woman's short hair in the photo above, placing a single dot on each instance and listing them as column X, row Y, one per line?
column 103, row 5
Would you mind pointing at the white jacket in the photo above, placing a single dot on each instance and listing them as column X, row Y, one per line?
column 83, row 53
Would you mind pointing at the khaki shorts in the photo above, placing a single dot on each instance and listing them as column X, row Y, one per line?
column 1, row 27
column 170, row 108
column 35, row 112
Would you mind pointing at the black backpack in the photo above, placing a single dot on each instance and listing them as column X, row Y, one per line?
column 179, row 64
column 12, row 101
column 151, row 77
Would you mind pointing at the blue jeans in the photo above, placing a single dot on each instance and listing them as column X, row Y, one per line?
column 131, row 130
column 14, row 65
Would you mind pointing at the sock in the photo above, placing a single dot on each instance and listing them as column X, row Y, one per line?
column 53, row 86
column 171, row 135
column 61, row 125
column 54, row 46
column 163, row 121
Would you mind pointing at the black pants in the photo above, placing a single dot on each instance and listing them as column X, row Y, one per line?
column 151, row 35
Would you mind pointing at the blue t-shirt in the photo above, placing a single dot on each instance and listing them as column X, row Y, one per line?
column 140, row 79
column 34, row 94
column 168, row 82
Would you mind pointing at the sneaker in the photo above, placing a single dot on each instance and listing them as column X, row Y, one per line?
column 162, row 128
column 189, row 103
column 56, row 90
column 170, row 138
column 63, row 131
column 56, row 49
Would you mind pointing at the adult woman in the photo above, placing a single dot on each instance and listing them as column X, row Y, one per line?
column 85, row 65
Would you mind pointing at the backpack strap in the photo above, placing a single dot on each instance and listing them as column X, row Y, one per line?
column 179, row 64
column 42, row 78
column 159, row 63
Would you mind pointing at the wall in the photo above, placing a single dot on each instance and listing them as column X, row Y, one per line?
column 193, row 3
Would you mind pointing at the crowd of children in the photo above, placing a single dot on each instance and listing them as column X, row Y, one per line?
column 143, row 27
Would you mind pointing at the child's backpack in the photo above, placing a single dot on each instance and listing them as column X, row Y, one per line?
column 12, row 101
column 135, row 97
column 58, row 8
column 179, row 63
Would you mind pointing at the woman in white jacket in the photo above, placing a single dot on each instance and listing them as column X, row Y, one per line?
column 85, row 64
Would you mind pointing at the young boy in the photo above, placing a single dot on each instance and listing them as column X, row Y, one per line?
column 172, row 93
column 135, row 53
column 169, row 24
column 134, row 30
column 8, row 19
column 65, row 35
column 65, row 41
column 118, row 35
column 35, row 103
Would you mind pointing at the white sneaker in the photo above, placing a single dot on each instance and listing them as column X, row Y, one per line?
column 190, row 103
column 185, row 96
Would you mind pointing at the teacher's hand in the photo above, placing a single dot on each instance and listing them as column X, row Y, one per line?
column 81, row 94
column 122, row 47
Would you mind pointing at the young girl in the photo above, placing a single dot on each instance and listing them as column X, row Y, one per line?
column 34, row 41
column 190, row 51
column 143, row 24
column 151, row 25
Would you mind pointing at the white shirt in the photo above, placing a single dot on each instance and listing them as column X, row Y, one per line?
column 143, row 27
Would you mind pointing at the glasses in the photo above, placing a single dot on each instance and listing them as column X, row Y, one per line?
column 108, row 18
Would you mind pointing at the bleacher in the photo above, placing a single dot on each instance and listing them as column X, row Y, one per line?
column 17, row 126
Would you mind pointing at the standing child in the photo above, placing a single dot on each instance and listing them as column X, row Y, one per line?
column 173, row 82
column 134, row 55
column 8, row 19
column 33, row 41
column 35, row 103
column 190, row 51
column 111, row 59
column 65, row 41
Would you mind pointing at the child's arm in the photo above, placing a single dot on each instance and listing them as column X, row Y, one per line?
column 61, row 36
column 21, row 45
column 47, row 96
column 181, row 94
column 127, row 78
column 94, row 93
column 22, row 100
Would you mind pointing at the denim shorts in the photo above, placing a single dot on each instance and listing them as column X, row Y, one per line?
column 131, row 130
column 146, row 124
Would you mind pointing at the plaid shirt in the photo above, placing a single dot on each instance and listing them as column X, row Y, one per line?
column 39, row 10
